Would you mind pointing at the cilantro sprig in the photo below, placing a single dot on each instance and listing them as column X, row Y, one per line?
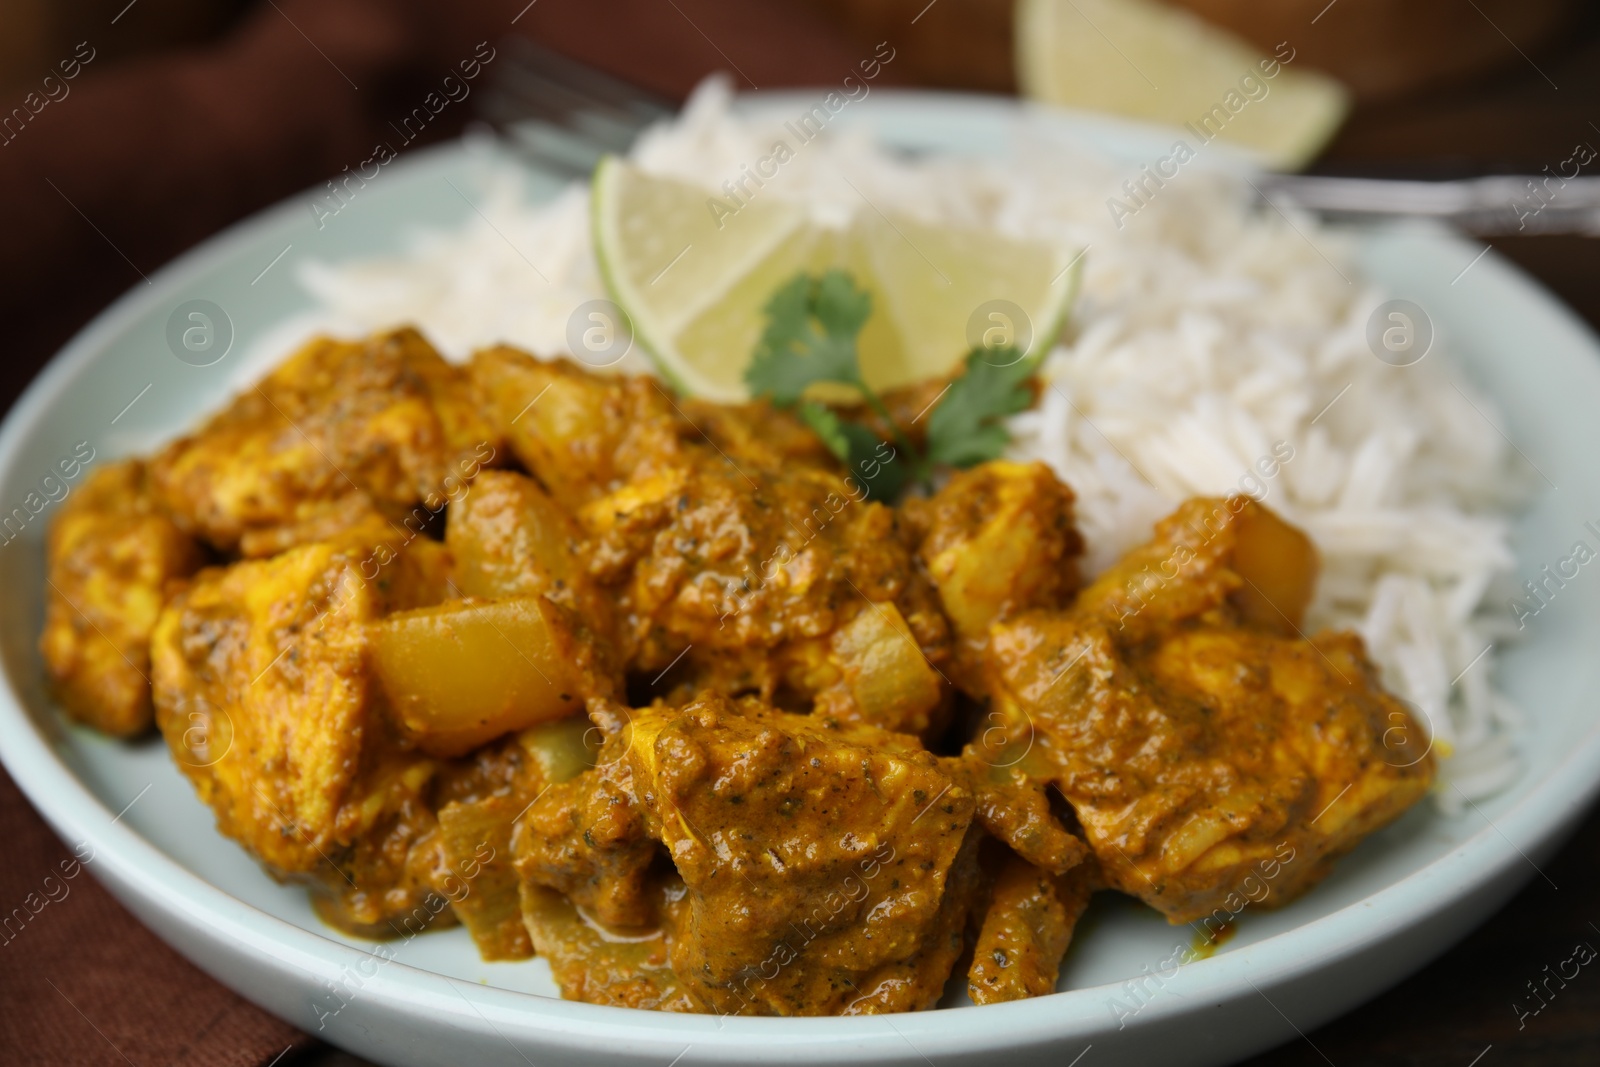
column 965, row 428
column 813, row 323
column 859, row 449
column 810, row 337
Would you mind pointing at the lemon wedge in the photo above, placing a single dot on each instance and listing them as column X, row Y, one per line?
column 695, row 281
column 1151, row 61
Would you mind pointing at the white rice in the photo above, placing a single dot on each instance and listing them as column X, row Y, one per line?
column 1207, row 334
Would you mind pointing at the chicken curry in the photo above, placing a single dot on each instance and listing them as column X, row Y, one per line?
column 656, row 690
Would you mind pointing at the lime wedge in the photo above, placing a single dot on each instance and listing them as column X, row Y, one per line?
column 668, row 260
column 944, row 290
column 1151, row 61
column 695, row 281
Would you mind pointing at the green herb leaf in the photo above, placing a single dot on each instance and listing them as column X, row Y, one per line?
column 826, row 424
column 810, row 337
column 965, row 427
column 812, row 326
column 872, row 462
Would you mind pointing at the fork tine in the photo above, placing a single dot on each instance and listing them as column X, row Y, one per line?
column 563, row 113
column 587, row 82
column 591, row 82
column 554, row 148
column 540, row 97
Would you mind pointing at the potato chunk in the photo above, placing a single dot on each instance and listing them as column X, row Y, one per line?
column 1278, row 565
column 572, row 429
column 464, row 672
column 511, row 539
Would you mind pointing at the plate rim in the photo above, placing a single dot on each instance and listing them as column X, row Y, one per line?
column 127, row 859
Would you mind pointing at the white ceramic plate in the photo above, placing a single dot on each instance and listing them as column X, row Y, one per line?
column 1401, row 898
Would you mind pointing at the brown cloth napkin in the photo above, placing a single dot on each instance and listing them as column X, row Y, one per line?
column 81, row 982
column 138, row 162
column 135, row 163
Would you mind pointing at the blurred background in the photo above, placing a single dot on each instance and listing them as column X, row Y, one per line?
column 186, row 115
column 130, row 131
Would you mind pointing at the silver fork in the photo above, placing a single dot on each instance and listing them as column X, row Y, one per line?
column 563, row 114
column 1494, row 205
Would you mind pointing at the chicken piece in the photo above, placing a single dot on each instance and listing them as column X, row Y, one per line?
column 1196, row 739
column 350, row 518
column 1026, row 930
column 341, row 435
column 263, row 692
column 995, row 540
column 829, row 867
column 741, row 563
column 760, row 595
column 112, row 558
column 821, row 867
column 1035, row 892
